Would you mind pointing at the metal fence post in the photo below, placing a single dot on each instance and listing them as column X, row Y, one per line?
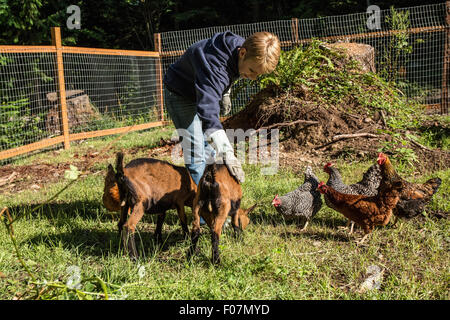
column 445, row 76
column 56, row 41
column 159, row 75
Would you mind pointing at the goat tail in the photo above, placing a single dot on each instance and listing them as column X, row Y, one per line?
column 209, row 187
column 127, row 190
column 119, row 163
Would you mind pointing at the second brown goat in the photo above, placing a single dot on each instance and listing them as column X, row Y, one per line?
column 218, row 196
column 149, row 186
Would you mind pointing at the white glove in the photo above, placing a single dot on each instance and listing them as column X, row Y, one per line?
column 225, row 150
column 225, row 103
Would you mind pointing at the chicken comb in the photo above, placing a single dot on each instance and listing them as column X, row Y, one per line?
column 321, row 184
column 381, row 156
column 327, row 165
column 274, row 201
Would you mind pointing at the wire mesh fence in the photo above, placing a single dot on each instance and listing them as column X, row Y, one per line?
column 110, row 91
column 410, row 46
column 107, row 91
column 25, row 79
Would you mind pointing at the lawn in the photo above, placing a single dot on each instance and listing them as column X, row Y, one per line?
column 70, row 249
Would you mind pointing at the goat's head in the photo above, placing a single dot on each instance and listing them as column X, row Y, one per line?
column 243, row 218
column 111, row 197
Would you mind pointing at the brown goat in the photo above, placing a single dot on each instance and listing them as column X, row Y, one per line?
column 218, row 196
column 150, row 186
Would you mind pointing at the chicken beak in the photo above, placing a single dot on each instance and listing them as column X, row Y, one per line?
column 381, row 158
column 276, row 201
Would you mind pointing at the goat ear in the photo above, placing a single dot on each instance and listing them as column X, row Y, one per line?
column 111, row 169
column 251, row 209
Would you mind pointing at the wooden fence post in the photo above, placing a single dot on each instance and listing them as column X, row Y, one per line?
column 56, row 41
column 159, row 75
column 294, row 27
column 445, row 76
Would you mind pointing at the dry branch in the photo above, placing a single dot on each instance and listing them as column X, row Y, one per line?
column 340, row 137
column 8, row 179
column 419, row 145
column 286, row 124
column 355, row 135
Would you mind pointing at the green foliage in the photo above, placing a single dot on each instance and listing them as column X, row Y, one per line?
column 300, row 66
column 20, row 21
column 399, row 146
column 396, row 54
column 17, row 125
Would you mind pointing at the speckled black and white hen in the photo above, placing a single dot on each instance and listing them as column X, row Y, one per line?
column 368, row 186
column 302, row 203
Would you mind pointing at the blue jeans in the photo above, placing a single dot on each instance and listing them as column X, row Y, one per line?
column 196, row 150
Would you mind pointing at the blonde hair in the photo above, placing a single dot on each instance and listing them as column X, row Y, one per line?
column 263, row 47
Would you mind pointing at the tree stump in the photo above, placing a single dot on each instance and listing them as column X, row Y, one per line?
column 79, row 109
column 363, row 53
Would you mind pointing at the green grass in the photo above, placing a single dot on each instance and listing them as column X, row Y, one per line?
column 273, row 261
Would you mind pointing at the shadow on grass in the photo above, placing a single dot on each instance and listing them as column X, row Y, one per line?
column 100, row 236
column 318, row 235
column 97, row 242
column 90, row 210
column 276, row 220
column 331, row 222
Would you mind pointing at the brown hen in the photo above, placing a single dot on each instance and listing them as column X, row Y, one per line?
column 414, row 196
column 365, row 211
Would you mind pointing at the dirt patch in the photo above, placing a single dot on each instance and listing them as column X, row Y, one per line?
column 15, row 179
column 18, row 178
column 314, row 133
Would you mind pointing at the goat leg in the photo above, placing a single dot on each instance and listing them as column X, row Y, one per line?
column 216, row 230
column 129, row 244
column 195, row 234
column 130, row 226
column 215, row 248
column 183, row 220
column 237, row 226
column 159, row 224
column 124, row 212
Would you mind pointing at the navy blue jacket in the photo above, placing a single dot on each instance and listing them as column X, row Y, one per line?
column 204, row 72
